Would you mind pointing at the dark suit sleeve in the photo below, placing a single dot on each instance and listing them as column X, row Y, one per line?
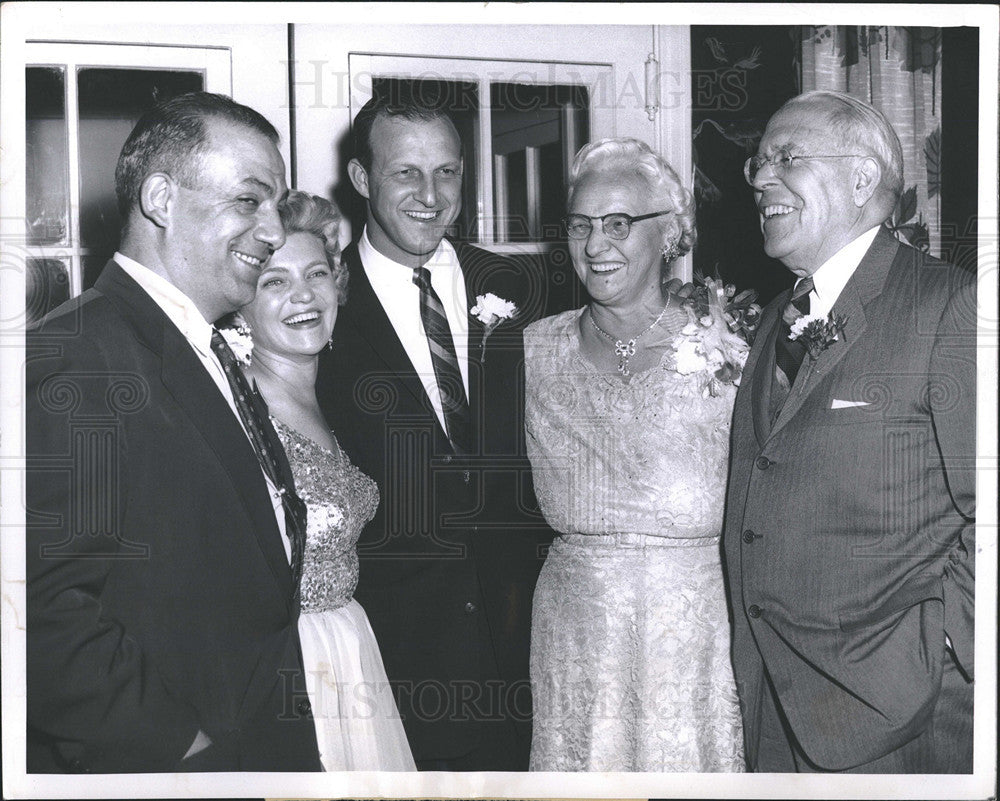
column 91, row 693
column 953, row 410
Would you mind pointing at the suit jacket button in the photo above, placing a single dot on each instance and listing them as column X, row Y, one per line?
column 470, row 608
column 763, row 462
column 749, row 536
column 754, row 611
column 303, row 707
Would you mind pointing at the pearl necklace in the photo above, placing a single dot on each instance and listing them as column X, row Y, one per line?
column 625, row 350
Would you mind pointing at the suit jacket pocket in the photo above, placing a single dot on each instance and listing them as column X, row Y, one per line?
column 915, row 591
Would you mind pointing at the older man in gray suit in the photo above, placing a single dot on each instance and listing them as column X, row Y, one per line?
column 850, row 524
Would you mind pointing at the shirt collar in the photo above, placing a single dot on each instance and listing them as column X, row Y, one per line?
column 178, row 307
column 832, row 276
column 380, row 268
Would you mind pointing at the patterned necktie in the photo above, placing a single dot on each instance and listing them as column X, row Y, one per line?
column 267, row 446
column 789, row 353
column 454, row 403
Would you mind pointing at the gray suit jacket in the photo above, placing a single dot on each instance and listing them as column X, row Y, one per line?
column 849, row 536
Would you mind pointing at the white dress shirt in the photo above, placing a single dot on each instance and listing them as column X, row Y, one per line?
column 832, row 276
column 400, row 297
column 182, row 312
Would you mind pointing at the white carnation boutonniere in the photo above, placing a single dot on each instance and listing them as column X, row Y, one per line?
column 816, row 332
column 238, row 336
column 491, row 310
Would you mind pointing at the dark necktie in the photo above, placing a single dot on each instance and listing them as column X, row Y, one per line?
column 267, row 446
column 454, row 403
column 789, row 353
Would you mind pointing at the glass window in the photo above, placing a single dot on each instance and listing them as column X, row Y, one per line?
column 47, row 167
column 537, row 130
column 111, row 100
column 521, row 124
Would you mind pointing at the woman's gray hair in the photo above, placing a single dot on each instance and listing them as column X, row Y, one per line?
column 302, row 213
column 861, row 127
column 625, row 157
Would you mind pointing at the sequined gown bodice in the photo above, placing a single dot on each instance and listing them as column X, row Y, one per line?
column 357, row 723
column 340, row 500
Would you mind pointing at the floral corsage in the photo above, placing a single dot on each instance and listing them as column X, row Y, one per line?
column 491, row 311
column 716, row 341
column 817, row 333
column 237, row 334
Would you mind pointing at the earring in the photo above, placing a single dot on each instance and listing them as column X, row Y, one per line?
column 329, row 344
column 671, row 251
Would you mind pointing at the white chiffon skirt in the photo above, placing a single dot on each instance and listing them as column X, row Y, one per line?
column 357, row 723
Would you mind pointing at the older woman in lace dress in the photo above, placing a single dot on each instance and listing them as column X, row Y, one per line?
column 630, row 662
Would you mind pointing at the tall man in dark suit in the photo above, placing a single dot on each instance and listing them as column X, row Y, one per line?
column 162, row 608
column 427, row 400
column 850, row 522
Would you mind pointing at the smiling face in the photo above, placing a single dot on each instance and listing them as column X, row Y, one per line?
column 295, row 307
column 414, row 186
column 807, row 212
column 617, row 272
column 222, row 231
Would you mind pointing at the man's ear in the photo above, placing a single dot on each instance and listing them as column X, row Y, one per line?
column 867, row 177
column 359, row 177
column 156, row 198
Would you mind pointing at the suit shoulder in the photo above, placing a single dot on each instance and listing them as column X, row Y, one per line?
column 82, row 322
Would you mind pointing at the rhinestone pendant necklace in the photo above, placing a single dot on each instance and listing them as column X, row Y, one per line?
column 625, row 350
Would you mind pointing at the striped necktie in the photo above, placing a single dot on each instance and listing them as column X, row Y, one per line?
column 789, row 353
column 267, row 446
column 451, row 389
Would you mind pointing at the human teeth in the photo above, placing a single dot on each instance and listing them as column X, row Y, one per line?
column 253, row 261
column 605, row 266
column 305, row 317
column 773, row 211
column 422, row 215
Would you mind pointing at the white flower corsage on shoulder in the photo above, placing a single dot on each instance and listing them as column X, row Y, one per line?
column 491, row 310
column 237, row 334
column 717, row 338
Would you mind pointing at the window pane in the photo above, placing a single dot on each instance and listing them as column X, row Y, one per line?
column 461, row 100
column 47, row 168
column 111, row 100
column 46, row 285
column 536, row 132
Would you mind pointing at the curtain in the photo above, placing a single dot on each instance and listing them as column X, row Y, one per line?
column 897, row 70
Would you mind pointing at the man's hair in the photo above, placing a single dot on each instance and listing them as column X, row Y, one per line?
column 172, row 137
column 408, row 99
column 861, row 127
column 302, row 213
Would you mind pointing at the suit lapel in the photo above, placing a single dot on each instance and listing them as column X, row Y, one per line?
column 760, row 365
column 864, row 285
column 477, row 355
column 197, row 395
column 370, row 323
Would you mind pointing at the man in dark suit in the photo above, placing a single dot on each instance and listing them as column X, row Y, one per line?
column 426, row 399
column 162, row 610
column 850, row 523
